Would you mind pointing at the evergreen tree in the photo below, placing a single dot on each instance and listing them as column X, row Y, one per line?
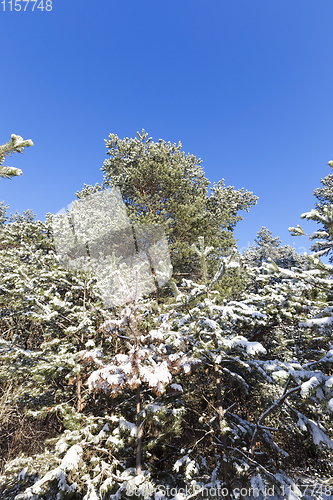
column 258, row 404
column 104, row 403
column 15, row 145
column 323, row 215
column 268, row 248
column 161, row 184
column 324, row 195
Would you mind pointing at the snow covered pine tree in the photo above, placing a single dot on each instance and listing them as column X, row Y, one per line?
column 15, row 145
column 197, row 392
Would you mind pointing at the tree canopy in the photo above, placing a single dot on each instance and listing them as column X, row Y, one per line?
column 267, row 247
column 161, row 184
column 197, row 391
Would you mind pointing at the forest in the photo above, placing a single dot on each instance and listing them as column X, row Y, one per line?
column 143, row 356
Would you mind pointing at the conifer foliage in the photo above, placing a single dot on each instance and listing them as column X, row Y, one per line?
column 323, row 215
column 15, row 145
column 194, row 391
column 268, row 248
column 161, row 184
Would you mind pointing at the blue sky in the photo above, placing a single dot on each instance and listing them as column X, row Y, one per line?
column 246, row 85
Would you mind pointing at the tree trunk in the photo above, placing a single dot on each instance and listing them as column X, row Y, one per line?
column 223, row 437
column 139, row 426
column 219, row 396
column 78, row 392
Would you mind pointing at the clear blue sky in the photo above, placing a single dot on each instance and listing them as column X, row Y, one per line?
column 247, row 85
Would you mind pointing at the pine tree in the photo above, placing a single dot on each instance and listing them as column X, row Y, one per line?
column 266, row 248
column 258, row 403
column 324, row 195
column 15, row 145
column 104, row 403
column 323, row 215
column 161, row 184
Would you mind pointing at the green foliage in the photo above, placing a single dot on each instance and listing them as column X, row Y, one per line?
column 268, row 248
column 324, row 195
column 15, row 145
column 161, row 184
column 323, row 215
column 204, row 390
column 209, row 371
